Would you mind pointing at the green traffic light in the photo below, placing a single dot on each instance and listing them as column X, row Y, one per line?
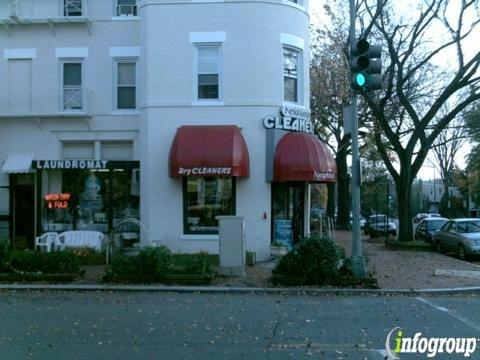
column 360, row 79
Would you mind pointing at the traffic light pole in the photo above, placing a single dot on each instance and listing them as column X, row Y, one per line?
column 358, row 261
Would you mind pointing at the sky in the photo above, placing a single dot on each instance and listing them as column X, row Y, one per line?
column 427, row 172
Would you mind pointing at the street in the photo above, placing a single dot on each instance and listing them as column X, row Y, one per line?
column 106, row 325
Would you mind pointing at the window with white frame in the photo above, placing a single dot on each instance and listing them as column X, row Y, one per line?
column 72, row 92
column 208, row 72
column 72, row 7
column 126, row 86
column 126, row 8
column 78, row 150
column 291, row 61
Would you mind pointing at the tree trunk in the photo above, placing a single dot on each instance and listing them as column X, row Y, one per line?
column 405, row 226
column 343, row 185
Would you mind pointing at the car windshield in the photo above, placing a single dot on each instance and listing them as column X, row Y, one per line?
column 378, row 218
column 435, row 224
column 469, row 226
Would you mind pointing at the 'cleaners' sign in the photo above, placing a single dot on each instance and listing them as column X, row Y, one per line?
column 291, row 118
column 205, row 171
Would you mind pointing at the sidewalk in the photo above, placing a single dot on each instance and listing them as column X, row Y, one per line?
column 394, row 270
column 402, row 269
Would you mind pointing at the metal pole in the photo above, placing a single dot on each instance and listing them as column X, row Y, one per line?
column 358, row 261
column 388, row 204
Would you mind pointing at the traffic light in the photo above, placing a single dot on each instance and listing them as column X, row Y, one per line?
column 366, row 66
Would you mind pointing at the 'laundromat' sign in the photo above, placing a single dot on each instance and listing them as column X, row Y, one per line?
column 70, row 164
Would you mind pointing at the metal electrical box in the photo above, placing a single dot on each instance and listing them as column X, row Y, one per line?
column 232, row 245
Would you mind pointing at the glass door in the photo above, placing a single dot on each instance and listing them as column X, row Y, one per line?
column 287, row 212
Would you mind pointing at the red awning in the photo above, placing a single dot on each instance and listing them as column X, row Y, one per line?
column 209, row 150
column 303, row 157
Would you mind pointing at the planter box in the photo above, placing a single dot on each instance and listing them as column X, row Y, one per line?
column 340, row 281
column 278, row 251
column 33, row 277
column 183, row 279
column 410, row 245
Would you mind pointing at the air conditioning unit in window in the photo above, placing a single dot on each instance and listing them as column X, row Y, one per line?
column 135, row 183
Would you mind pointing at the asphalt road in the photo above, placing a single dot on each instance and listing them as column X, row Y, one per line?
column 102, row 325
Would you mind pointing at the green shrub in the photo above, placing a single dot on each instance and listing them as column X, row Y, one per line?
column 198, row 264
column 153, row 261
column 314, row 261
column 4, row 251
column 122, row 265
column 59, row 262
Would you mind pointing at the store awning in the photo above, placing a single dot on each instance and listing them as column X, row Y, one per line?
column 209, row 150
column 303, row 157
column 18, row 164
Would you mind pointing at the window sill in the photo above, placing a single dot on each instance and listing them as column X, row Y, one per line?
column 126, row 112
column 126, row 18
column 207, row 103
column 209, row 237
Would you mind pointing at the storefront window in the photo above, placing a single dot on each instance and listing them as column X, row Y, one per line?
column 287, row 213
column 204, row 199
column 88, row 199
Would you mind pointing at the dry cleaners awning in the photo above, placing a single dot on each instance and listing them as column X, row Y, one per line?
column 18, row 164
column 303, row 157
column 209, row 150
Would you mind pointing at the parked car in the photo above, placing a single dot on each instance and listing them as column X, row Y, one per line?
column 377, row 224
column 419, row 217
column 461, row 236
column 427, row 227
column 362, row 221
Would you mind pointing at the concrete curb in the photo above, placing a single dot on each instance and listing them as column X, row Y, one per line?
column 239, row 290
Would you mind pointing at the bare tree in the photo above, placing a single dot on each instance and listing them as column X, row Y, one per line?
column 422, row 93
column 329, row 90
column 445, row 149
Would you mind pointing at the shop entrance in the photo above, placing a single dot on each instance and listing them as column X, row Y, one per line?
column 23, row 203
column 287, row 212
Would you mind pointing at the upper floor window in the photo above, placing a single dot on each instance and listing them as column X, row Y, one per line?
column 290, row 74
column 126, row 8
column 126, row 85
column 208, row 72
column 72, row 93
column 72, row 7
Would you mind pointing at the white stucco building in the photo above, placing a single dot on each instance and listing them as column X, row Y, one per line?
column 168, row 111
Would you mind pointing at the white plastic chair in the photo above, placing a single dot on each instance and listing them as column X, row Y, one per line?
column 46, row 241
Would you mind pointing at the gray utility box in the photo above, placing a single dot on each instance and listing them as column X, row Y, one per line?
column 232, row 245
